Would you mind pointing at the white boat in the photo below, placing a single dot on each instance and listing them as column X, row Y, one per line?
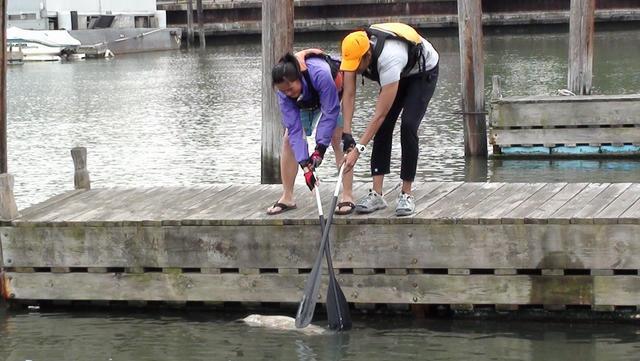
column 42, row 45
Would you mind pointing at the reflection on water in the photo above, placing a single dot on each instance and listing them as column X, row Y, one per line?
column 189, row 117
column 564, row 170
column 193, row 336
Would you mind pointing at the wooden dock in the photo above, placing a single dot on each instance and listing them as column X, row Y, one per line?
column 565, row 126
column 508, row 245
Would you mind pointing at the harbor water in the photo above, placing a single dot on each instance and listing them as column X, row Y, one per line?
column 193, row 117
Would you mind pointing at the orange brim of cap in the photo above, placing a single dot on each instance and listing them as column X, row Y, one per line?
column 350, row 65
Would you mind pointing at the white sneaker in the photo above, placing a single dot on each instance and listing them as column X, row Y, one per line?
column 370, row 203
column 406, row 205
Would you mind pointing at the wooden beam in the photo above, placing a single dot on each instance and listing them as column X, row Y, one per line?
column 274, row 287
column 277, row 39
column 581, row 23
column 189, row 22
column 566, row 112
column 560, row 241
column 472, row 76
column 201, row 34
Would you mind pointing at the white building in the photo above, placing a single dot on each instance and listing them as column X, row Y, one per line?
column 84, row 14
column 27, row 14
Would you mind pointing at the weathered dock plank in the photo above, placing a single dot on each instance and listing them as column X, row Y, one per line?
column 618, row 206
column 408, row 289
column 451, row 207
column 75, row 203
column 494, row 216
column 50, row 202
column 572, row 207
column 631, row 215
column 552, row 111
column 473, row 215
column 599, row 203
column 518, row 213
column 542, row 213
column 428, row 246
column 565, row 136
column 102, row 208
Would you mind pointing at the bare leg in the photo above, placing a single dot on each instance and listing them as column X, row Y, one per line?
column 406, row 186
column 378, row 181
column 347, row 178
column 288, row 172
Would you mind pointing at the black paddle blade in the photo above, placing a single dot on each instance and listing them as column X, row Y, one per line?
column 309, row 298
column 337, row 308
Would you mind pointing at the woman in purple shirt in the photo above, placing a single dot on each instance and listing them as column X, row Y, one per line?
column 309, row 86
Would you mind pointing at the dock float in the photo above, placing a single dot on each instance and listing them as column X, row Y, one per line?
column 502, row 245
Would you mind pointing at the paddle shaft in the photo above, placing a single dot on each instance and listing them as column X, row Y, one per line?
column 333, row 282
column 310, row 296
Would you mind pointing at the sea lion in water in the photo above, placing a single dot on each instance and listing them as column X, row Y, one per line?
column 281, row 323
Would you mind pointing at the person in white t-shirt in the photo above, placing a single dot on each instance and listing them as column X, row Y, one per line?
column 406, row 67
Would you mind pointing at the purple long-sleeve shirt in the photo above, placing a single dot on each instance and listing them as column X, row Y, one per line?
column 324, row 84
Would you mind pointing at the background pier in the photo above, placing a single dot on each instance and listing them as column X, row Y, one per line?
column 243, row 16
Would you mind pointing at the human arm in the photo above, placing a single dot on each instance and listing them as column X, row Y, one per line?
column 291, row 121
column 348, row 108
column 383, row 105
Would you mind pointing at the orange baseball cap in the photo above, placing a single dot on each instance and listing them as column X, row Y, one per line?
column 354, row 46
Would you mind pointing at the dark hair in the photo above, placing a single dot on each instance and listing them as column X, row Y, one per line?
column 286, row 69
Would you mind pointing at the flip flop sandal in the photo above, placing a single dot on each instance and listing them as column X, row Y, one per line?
column 351, row 206
column 283, row 208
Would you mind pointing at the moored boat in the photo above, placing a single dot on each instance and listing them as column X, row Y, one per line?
column 42, row 45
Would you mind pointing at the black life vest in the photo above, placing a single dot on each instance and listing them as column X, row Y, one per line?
column 313, row 100
column 396, row 31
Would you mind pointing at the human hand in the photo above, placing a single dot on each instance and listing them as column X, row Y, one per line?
column 347, row 142
column 310, row 178
column 316, row 157
column 315, row 160
column 350, row 160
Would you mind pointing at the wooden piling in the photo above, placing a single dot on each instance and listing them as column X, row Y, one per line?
column 8, row 208
column 3, row 89
column 190, row 22
column 277, row 39
column 472, row 76
column 496, row 94
column 201, row 34
column 81, row 175
column 581, row 24
column 496, row 88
